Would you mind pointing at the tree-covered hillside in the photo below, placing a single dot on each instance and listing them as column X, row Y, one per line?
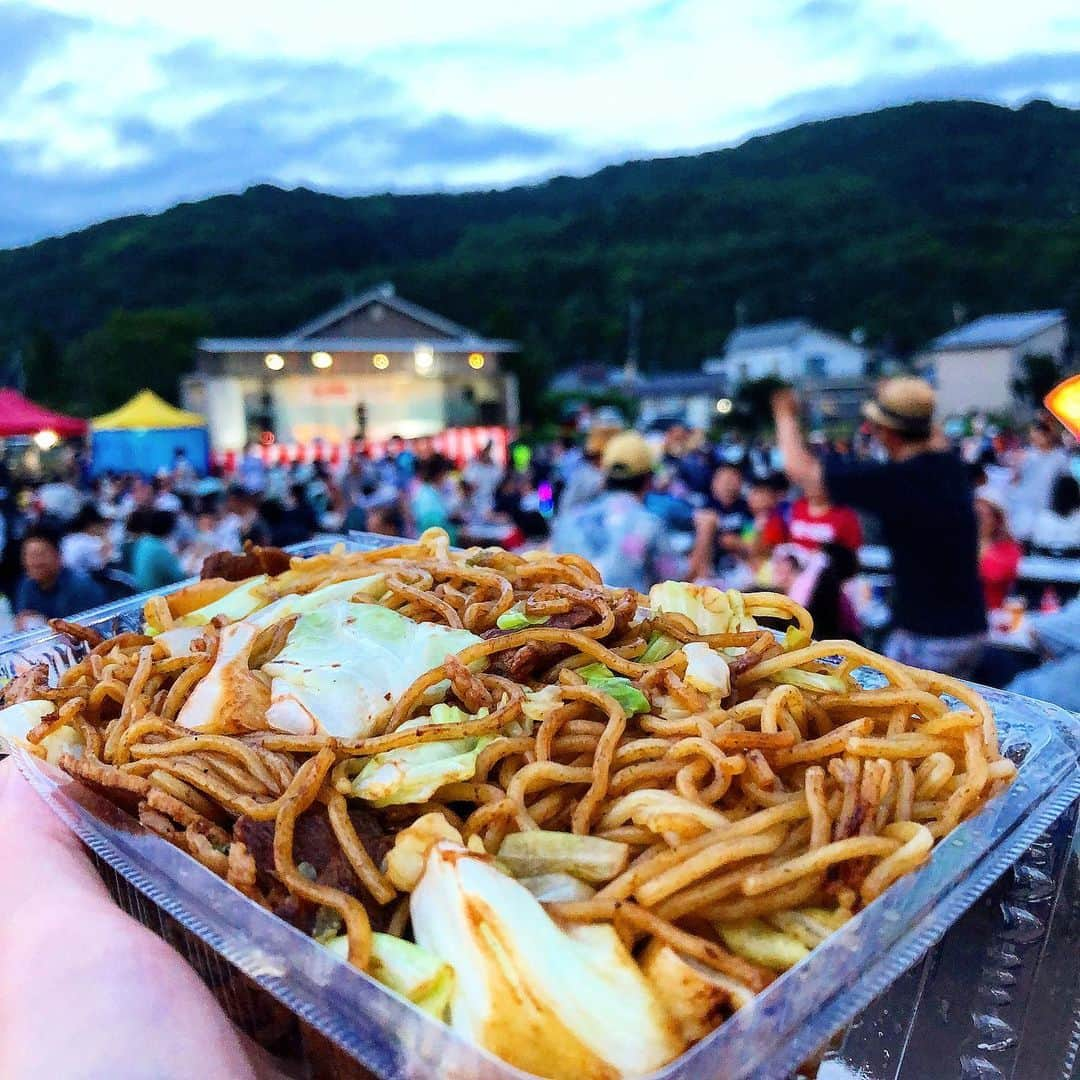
column 884, row 221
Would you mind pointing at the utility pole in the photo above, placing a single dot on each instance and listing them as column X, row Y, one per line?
column 633, row 340
column 17, row 370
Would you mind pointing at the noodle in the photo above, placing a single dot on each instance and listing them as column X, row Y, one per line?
column 779, row 793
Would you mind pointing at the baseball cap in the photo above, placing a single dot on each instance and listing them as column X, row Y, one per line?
column 628, row 455
column 904, row 405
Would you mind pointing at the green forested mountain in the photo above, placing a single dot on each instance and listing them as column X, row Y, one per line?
column 883, row 221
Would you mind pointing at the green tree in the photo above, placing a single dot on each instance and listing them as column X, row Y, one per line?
column 41, row 363
column 842, row 222
column 1039, row 374
column 130, row 351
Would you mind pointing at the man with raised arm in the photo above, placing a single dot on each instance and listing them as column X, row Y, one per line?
column 924, row 500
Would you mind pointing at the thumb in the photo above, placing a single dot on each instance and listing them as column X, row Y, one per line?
column 39, row 855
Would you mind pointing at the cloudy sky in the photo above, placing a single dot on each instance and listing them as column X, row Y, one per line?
column 111, row 106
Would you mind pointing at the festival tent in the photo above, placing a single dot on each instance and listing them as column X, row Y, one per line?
column 144, row 435
column 20, row 416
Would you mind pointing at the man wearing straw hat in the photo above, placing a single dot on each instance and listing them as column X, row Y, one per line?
column 924, row 501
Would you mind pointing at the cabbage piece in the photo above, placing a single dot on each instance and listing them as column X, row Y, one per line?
column 566, row 1005
column 230, row 698
column 712, row 611
column 18, row 720
column 663, row 812
column 413, row 774
column 539, row 851
column 517, row 619
column 595, row 672
column 406, row 859
column 408, row 969
column 706, row 669
column 179, row 639
column 557, row 887
column 301, row 603
column 763, row 944
column 810, row 925
column 696, row 996
column 234, row 605
column 64, row 740
column 660, row 647
column 631, row 699
column 248, row 601
column 344, row 664
column 816, row 681
column 538, row 703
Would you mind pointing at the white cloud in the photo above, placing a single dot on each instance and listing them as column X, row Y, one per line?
column 328, row 28
column 345, row 95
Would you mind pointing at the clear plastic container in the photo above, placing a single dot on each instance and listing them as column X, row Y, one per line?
column 768, row 1038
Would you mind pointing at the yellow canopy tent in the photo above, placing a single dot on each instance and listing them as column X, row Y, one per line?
column 145, row 411
column 146, row 434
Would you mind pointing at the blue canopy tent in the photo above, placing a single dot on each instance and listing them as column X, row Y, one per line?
column 144, row 435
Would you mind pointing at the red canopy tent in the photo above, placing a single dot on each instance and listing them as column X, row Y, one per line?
column 20, row 416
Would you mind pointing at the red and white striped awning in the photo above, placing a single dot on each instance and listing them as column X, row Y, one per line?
column 460, row 445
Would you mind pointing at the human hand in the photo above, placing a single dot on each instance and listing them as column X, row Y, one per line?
column 85, row 991
column 785, row 404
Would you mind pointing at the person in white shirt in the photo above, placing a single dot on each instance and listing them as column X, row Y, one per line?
column 183, row 472
column 482, row 474
column 1057, row 528
column 164, row 496
column 60, row 500
column 87, row 548
column 1042, row 462
column 585, row 481
column 140, row 496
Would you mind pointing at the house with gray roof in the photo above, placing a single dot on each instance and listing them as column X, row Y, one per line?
column 973, row 366
column 792, row 349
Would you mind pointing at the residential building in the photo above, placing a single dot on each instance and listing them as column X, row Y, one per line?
column 688, row 396
column 790, row 349
column 700, row 399
column 375, row 365
column 973, row 366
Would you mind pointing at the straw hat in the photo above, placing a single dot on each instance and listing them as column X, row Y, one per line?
column 628, row 455
column 904, row 405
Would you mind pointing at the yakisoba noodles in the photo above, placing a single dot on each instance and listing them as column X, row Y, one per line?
column 723, row 795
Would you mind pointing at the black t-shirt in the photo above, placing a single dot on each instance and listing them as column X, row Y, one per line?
column 731, row 517
column 258, row 532
column 928, row 519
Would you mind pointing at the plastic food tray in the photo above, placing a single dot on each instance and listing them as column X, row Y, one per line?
column 381, row 1032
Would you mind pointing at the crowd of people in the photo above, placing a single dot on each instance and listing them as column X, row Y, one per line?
column 75, row 541
column 792, row 514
